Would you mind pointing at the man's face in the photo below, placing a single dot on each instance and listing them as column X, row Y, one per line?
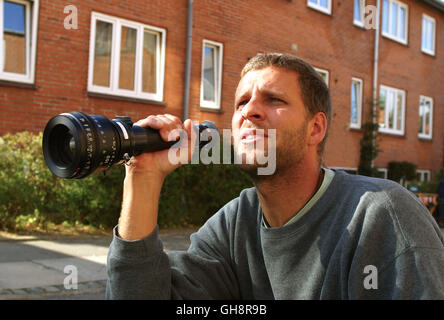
column 266, row 99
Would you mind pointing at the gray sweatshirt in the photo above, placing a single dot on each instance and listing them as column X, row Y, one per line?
column 365, row 238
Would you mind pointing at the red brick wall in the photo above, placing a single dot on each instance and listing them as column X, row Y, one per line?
column 244, row 27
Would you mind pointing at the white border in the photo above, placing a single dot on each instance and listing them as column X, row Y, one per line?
column 422, row 174
column 327, row 74
column 32, row 9
column 406, row 25
column 113, row 89
column 219, row 59
column 430, row 135
column 359, row 23
column 425, row 50
column 399, row 132
column 359, row 103
column 320, row 8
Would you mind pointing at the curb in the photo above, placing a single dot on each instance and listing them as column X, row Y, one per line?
column 40, row 292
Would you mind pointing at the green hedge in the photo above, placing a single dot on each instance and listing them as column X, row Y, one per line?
column 30, row 192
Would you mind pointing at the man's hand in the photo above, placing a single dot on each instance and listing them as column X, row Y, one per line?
column 157, row 163
column 145, row 175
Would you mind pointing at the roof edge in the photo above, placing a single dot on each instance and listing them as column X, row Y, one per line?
column 435, row 4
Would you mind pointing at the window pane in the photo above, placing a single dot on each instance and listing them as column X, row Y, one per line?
column 391, row 109
column 357, row 10
column 402, row 23
column 354, row 103
column 424, row 33
column 421, row 116
column 14, row 37
column 324, row 3
column 427, row 113
column 399, row 104
column 394, row 19
column 209, row 72
column 127, row 65
column 385, row 14
column 102, row 53
column 382, row 104
column 149, row 74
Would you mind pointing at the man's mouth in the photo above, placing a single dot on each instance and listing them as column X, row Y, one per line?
column 252, row 135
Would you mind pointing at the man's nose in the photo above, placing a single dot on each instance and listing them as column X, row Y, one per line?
column 253, row 111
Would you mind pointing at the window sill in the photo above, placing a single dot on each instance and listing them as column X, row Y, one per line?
column 388, row 36
column 122, row 98
column 213, row 110
column 425, row 138
column 319, row 9
column 429, row 53
column 359, row 25
column 392, row 133
column 9, row 83
column 354, row 128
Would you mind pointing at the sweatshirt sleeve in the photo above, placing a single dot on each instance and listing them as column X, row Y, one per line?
column 142, row 270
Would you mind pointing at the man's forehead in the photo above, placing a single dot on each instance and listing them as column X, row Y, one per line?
column 268, row 79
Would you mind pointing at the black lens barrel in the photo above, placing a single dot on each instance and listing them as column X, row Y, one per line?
column 76, row 144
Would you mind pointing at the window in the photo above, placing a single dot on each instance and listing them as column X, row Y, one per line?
column 323, row 74
column 425, row 117
column 358, row 13
column 211, row 83
column 428, row 35
column 395, row 20
column 423, row 175
column 382, row 173
column 391, row 110
column 126, row 58
column 321, row 5
column 356, row 103
column 18, row 30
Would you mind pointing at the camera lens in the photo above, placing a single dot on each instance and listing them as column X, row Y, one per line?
column 76, row 144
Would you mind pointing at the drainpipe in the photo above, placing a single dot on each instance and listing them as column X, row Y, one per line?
column 375, row 72
column 186, row 93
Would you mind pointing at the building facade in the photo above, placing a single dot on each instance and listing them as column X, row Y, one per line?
column 138, row 58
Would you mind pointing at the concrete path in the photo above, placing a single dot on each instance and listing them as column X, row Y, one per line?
column 32, row 268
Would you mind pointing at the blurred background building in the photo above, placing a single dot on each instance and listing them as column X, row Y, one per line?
column 184, row 57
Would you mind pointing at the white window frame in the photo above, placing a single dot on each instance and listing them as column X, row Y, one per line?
column 384, row 171
column 325, row 73
column 31, row 12
column 320, row 8
column 400, row 131
column 426, row 50
column 114, row 89
column 359, row 103
column 421, row 134
column 423, row 174
column 218, row 63
column 359, row 23
column 389, row 20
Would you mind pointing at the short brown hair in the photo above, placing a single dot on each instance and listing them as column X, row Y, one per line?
column 315, row 93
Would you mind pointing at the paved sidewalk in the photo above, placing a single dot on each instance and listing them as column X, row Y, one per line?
column 35, row 267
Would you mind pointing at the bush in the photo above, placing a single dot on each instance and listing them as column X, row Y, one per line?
column 432, row 185
column 30, row 193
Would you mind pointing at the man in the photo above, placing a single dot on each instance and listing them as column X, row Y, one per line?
column 304, row 232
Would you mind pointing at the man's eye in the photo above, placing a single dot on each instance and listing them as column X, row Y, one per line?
column 243, row 102
column 276, row 100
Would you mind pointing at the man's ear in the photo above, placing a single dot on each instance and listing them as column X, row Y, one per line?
column 317, row 128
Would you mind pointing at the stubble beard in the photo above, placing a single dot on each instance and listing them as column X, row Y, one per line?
column 290, row 150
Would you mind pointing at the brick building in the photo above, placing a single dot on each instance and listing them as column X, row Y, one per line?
column 135, row 58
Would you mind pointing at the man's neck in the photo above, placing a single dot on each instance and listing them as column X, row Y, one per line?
column 282, row 196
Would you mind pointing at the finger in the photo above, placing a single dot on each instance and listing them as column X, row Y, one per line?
column 151, row 121
column 171, row 129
